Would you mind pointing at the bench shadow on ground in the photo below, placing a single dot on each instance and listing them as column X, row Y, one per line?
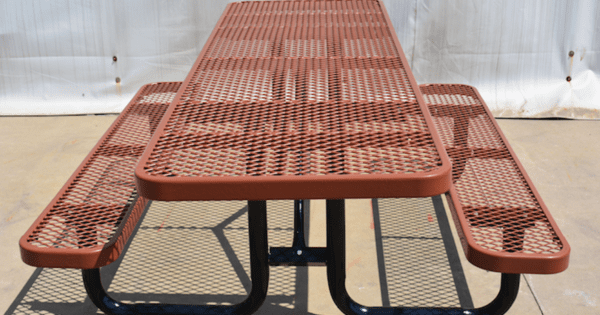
column 197, row 253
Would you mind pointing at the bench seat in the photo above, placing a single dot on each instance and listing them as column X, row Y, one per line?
column 501, row 219
column 91, row 218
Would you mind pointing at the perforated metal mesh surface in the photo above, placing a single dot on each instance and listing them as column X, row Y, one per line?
column 504, row 214
column 290, row 89
column 91, row 210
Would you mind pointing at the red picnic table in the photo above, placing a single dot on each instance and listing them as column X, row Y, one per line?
column 297, row 100
column 315, row 100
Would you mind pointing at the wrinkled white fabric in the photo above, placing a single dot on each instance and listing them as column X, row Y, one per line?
column 515, row 53
column 57, row 57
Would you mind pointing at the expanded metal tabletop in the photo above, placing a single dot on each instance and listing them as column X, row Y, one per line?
column 297, row 100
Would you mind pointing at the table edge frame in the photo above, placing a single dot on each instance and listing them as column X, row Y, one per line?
column 424, row 184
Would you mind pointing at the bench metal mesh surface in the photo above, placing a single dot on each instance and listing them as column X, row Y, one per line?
column 285, row 93
column 88, row 222
column 505, row 220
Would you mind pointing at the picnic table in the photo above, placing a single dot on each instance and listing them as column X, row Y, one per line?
column 297, row 100
column 315, row 100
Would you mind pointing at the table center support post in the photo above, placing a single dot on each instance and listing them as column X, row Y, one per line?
column 299, row 254
column 336, row 277
column 299, row 236
column 259, row 269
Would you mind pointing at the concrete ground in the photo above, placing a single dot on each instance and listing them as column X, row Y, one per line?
column 38, row 154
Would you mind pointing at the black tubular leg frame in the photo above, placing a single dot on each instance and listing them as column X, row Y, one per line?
column 257, row 226
column 336, row 277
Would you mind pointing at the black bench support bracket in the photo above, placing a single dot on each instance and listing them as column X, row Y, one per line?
column 336, row 277
column 257, row 226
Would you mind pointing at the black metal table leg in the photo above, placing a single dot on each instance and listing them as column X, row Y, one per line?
column 257, row 226
column 336, row 277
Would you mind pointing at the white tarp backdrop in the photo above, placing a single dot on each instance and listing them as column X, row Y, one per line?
column 56, row 57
